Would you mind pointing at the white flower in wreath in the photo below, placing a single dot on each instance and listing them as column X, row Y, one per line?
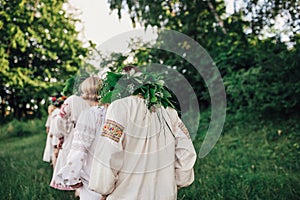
column 130, row 88
column 160, row 82
column 159, row 94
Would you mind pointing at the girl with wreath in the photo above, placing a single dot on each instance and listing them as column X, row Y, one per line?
column 145, row 150
column 57, row 102
column 67, row 121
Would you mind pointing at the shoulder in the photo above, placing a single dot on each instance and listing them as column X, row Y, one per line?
column 172, row 115
column 172, row 112
column 55, row 111
column 96, row 110
column 91, row 111
column 120, row 102
column 73, row 98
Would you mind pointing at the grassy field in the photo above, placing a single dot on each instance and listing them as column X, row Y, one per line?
column 23, row 173
column 250, row 161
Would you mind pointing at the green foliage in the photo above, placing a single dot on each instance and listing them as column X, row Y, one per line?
column 39, row 49
column 259, row 71
column 263, row 80
column 69, row 85
column 150, row 86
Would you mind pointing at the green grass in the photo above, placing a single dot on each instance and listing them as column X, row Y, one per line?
column 23, row 173
column 250, row 161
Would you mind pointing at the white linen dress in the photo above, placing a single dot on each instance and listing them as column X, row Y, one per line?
column 66, row 123
column 47, row 155
column 79, row 160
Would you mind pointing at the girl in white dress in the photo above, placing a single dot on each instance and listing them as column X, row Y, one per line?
column 76, row 172
column 53, row 131
column 47, row 156
column 67, row 121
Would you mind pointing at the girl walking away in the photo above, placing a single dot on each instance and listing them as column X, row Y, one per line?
column 68, row 117
column 47, row 156
column 145, row 150
column 57, row 102
column 76, row 172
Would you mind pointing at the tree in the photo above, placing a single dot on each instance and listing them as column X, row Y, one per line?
column 39, row 49
column 253, row 59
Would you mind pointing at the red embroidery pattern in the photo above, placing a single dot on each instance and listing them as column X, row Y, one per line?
column 112, row 130
column 62, row 110
column 184, row 130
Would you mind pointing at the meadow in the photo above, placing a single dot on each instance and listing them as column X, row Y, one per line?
column 250, row 161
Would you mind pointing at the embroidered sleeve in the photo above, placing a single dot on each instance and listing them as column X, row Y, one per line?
column 112, row 130
column 108, row 156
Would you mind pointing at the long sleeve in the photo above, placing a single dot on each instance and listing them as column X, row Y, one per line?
column 60, row 127
column 108, row 157
column 84, row 136
column 63, row 120
column 185, row 156
column 54, row 128
column 48, row 122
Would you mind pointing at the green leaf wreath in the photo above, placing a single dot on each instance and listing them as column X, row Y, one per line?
column 150, row 86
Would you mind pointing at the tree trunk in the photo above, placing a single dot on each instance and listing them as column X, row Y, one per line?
column 217, row 17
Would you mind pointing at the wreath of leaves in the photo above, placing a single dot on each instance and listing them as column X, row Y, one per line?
column 150, row 86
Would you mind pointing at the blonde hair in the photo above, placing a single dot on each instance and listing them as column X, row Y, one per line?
column 51, row 108
column 89, row 88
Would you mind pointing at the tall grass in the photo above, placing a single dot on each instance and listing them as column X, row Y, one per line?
column 250, row 161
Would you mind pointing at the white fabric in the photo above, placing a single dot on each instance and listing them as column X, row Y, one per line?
column 87, row 194
column 49, row 150
column 56, row 129
column 66, row 122
column 142, row 154
column 52, row 131
column 47, row 155
column 48, row 122
column 78, row 165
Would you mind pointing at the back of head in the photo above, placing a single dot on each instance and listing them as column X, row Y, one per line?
column 89, row 88
column 51, row 108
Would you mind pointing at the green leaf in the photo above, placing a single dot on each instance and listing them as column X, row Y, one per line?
column 107, row 98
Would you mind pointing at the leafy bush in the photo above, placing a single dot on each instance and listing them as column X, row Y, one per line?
column 263, row 79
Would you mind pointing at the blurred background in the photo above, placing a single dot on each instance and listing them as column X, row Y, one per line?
column 255, row 44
